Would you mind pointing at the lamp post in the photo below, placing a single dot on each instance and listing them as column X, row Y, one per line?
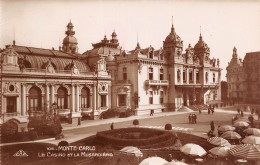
column 54, row 107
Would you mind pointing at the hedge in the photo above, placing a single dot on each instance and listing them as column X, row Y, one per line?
column 108, row 137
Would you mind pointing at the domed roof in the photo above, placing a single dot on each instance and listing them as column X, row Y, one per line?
column 69, row 24
column 70, row 39
column 201, row 45
column 110, row 57
column 114, row 33
column 173, row 37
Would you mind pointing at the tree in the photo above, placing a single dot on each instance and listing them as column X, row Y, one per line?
column 136, row 122
column 168, row 127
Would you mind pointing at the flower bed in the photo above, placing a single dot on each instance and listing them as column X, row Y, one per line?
column 141, row 137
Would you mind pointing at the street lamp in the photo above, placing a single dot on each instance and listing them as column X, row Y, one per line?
column 54, row 107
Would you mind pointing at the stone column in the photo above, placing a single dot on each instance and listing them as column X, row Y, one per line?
column 194, row 76
column 94, row 98
column 77, row 98
column 72, row 105
column 52, row 94
column 47, row 94
column 23, row 106
column 187, row 76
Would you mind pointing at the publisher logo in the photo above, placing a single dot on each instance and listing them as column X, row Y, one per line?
column 20, row 153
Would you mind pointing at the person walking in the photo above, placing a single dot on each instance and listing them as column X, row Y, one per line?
column 190, row 118
column 212, row 126
column 79, row 121
column 112, row 126
column 152, row 112
column 242, row 113
column 208, row 110
column 195, row 118
column 199, row 110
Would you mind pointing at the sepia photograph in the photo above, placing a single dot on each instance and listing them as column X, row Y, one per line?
column 122, row 82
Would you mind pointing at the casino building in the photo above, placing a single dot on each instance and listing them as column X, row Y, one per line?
column 35, row 80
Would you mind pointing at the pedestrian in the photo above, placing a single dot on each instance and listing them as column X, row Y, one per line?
column 195, row 118
column 208, row 110
column 190, row 118
column 112, row 126
column 210, row 134
column 199, row 110
column 233, row 119
column 169, row 158
column 152, row 112
column 212, row 110
column 212, row 126
column 242, row 113
column 238, row 111
column 79, row 121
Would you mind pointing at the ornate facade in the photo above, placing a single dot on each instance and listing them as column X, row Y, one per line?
column 243, row 78
column 37, row 80
column 164, row 79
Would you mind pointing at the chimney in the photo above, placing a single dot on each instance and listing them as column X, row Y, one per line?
column 13, row 42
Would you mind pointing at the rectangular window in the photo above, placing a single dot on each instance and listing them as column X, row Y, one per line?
column 190, row 76
column 11, row 104
column 161, row 56
column 150, row 73
column 103, row 100
column 161, row 97
column 184, row 76
column 197, row 77
column 161, row 74
column 122, row 100
column 124, row 74
column 151, row 97
column 151, row 55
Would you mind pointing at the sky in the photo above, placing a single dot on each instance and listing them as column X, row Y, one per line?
column 224, row 24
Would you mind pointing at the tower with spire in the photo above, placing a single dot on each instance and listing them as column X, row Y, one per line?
column 70, row 42
column 202, row 51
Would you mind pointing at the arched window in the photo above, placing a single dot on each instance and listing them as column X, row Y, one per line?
column 62, row 98
column 35, row 99
column 85, row 98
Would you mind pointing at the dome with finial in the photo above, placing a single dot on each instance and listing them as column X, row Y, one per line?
column 173, row 38
column 201, row 45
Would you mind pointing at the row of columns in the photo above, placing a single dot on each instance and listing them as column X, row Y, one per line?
column 73, row 98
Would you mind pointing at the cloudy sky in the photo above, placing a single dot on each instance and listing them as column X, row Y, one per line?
column 224, row 24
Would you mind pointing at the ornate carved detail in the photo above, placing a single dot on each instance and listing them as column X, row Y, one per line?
column 103, row 87
column 11, row 88
column 122, row 90
column 140, row 65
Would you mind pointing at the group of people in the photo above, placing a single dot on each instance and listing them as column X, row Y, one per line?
column 192, row 118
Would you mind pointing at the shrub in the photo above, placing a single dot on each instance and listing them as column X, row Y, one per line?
column 33, row 135
column 136, row 122
column 168, row 127
column 9, row 129
column 109, row 113
column 130, row 112
column 63, row 143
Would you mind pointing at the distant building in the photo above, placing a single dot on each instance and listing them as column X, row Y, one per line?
column 37, row 80
column 243, row 78
column 224, row 91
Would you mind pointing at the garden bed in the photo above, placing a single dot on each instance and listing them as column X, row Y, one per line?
column 140, row 137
